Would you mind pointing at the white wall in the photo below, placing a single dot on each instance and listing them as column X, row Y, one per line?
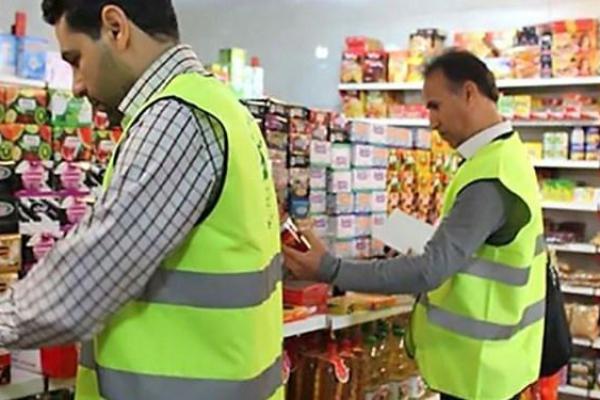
column 285, row 33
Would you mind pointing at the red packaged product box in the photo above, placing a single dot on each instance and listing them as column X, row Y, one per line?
column 375, row 67
column 4, row 367
column 362, row 44
column 59, row 362
column 303, row 293
column 352, row 71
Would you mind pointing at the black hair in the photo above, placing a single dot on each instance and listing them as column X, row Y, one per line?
column 460, row 66
column 155, row 17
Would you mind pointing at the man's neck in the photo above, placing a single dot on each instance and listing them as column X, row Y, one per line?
column 482, row 126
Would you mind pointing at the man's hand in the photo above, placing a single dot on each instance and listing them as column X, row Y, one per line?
column 305, row 266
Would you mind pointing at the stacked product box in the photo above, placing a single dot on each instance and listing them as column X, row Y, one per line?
column 299, row 151
column 274, row 121
column 357, row 200
column 420, row 167
column 320, row 160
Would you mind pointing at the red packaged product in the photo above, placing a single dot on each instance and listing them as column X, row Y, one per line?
column 59, row 362
column 303, row 293
column 4, row 367
column 291, row 236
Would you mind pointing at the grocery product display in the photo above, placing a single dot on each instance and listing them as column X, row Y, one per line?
column 569, row 117
column 367, row 362
column 245, row 76
column 53, row 151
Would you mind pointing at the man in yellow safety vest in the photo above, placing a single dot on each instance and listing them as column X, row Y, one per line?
column 477, row 328
column 174, row 279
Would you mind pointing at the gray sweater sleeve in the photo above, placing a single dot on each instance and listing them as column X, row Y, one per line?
column 480, row 210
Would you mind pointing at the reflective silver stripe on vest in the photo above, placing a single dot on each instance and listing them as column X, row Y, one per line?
column 119, row 385
column 540, row 245
column 498, row 272
column 482, row 330
column 204, row 290
column 86, row 355
column 504, row 273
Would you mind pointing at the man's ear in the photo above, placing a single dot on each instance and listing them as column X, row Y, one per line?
column 116, row 27
column 470, row 91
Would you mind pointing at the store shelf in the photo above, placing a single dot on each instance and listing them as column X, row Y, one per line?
column 555, row 123
column 557, row 205
column 382, row 86
column 582, row 248
column 567, row 164
column 502, row 84
column 310, row 324
column 548, row 82
column 337, row 322
column 587, row 343
column 423, row 122
column 574, row 391
column 23, row 384
column 13, row 80
column 580, row 290
column 408, row 122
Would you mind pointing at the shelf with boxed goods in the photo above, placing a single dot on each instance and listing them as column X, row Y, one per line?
column 581, row 377
column 595, row 344
column 568, row 195
column 582, row 248
column 566, row 164
column 423, row 122
column 555, row 54
column 569, row 236
column 22, row 82
column 575, row 391
column 337, row 322
column 572, row 206
column 526, row 83
column 580, row 290
column 552, row 110
column 303, row 326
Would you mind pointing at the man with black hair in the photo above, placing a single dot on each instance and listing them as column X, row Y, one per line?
column 477, row 327
column 173, row 280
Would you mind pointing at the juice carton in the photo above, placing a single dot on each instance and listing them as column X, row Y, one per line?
column 25, row 142
column 69, row 179
column 106, row 141
column 25, row 106
column 66, row 110
column 73, row 144
column 34, row 178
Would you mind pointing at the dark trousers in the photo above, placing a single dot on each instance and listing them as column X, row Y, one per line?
column 448, row 397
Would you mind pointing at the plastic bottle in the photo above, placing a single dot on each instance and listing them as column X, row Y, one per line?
column 353, row 360
column 374, row 386
column 332, row 375
column 398, row 362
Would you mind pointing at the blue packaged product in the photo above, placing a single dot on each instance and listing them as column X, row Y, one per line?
column 31, row 57
column 8, row 54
